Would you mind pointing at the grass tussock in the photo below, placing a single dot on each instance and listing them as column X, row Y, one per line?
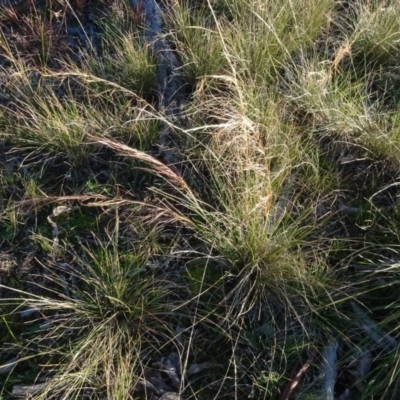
column 263, row 263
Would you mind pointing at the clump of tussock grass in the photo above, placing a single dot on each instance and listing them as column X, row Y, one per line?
column 247, row 217
column 123, row 59
column 251, row 39
column 195, row 35
column 257, row 38
column 101, row 331
column 37, row 38
column 376, row 30
column 342, row 108
column 42, row 121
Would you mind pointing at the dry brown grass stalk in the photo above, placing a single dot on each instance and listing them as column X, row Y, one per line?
column 41, row 201
column 157, row 166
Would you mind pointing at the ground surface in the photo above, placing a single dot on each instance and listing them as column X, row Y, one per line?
column 199, row 199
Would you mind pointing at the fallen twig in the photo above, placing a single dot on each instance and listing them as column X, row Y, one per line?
column 296, row 379
column 371, row 328
column 329, row 370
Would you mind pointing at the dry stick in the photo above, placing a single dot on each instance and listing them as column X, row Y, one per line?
column 36, row 201
column 27, row 391
column 296, row 379
column 169, row 82
column 372, row 329
column 329, row 370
